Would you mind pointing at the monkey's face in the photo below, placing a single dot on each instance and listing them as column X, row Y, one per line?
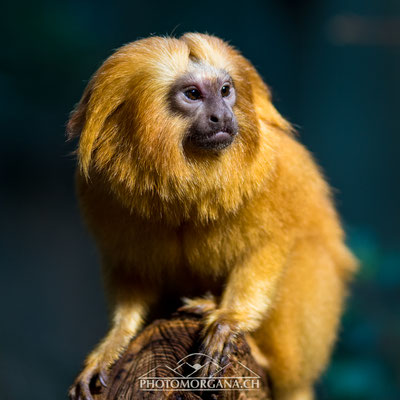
column 206, row 101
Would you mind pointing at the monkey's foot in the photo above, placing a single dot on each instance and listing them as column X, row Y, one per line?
column 220, row 337
column 82, row 388
column 199, row 305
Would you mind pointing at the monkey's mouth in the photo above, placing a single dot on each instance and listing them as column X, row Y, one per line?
column 214, row 141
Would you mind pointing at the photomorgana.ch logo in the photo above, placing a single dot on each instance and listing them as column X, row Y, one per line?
column 184, row 376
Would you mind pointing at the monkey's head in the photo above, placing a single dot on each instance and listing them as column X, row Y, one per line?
column 176, row 128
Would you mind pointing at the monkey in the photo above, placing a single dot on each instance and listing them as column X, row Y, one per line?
column 192, row 182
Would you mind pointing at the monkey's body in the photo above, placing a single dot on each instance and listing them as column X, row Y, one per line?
column 253, row 224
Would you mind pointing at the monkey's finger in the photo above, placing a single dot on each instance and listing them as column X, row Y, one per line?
column 75, row 391
column 229, row 347
column 225, row 360
column 190, row 310
column 212, row 368
column 85, row 391
column 201, row 360
column 208, row 343
column 199, row 307
column 213, row 347
column 72, row 393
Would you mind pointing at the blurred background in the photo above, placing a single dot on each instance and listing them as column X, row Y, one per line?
column 333, row 67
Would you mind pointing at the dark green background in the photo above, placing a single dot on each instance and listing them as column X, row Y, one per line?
column 333, row 67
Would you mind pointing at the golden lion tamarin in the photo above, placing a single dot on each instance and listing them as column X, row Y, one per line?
column 192, row 182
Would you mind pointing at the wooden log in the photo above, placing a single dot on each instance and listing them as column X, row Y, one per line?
column 159, row 364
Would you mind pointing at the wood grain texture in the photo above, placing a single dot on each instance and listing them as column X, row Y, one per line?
column 159, row 348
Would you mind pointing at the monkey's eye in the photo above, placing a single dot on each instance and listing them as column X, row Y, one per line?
column 225, row 90
column 193, row 94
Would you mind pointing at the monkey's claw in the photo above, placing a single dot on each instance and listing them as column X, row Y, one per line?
column 86, row 381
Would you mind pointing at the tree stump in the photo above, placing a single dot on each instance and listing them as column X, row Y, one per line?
column 159, row 364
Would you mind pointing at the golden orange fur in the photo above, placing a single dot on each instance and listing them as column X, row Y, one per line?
column 254, row 225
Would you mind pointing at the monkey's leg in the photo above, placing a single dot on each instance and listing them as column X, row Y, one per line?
column 129, row 310
column 298, row 334
column 249, row 293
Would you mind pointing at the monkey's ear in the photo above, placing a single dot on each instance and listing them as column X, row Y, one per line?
column 77, row 117
column 262, row 99
column 105, row 93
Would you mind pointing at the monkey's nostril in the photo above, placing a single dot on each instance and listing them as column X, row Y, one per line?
column 213, row 118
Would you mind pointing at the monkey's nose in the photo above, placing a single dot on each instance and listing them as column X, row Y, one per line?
column 220, row 118
column 215, row 118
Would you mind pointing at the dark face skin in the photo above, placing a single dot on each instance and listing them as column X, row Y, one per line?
column 208, row 103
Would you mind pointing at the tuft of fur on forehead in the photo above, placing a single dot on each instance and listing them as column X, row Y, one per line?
column 131, row 140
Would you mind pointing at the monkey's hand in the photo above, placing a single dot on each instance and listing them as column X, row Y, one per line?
column 199, row 305
column 219, row 341
column 127, row 319
column 248, row 294
column 96, row 369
